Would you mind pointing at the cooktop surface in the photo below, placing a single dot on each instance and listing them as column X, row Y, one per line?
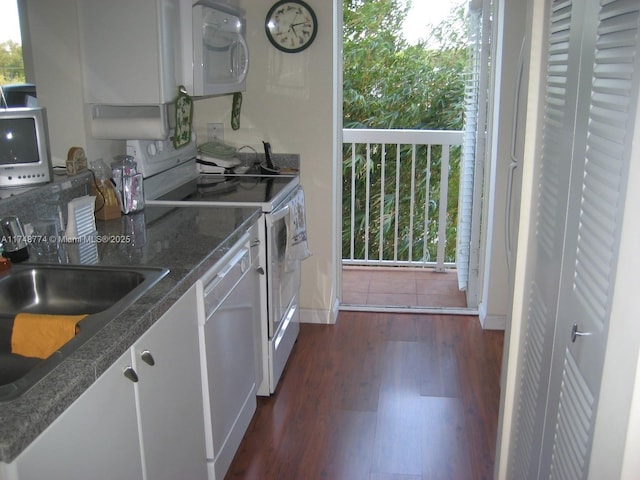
column 266, row 191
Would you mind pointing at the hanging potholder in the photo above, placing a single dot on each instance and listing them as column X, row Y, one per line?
column 235, row 110
column 184, row 117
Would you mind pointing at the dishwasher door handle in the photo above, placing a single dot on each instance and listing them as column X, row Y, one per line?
column 237, row 259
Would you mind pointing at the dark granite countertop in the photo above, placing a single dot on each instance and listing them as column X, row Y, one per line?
column 186, row 240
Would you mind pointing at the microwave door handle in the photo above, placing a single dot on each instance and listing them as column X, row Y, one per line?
column 245, row 55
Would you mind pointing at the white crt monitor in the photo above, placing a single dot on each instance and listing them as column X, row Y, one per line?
column 24, row 147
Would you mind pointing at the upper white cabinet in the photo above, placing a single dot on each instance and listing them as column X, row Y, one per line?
column 131, row 51
column 139, row 53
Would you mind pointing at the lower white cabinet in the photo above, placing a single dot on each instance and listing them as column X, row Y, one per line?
column 152, row 428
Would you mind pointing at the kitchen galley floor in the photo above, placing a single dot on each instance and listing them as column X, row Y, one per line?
column 380, row 396
column 401, row 287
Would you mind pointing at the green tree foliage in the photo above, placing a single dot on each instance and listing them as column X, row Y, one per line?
column 389, row 84
column 11, row 64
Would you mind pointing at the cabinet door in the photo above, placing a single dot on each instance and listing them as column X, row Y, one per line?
column 591, row 93
column 130, row 51
column 96, row 437
column 546, row 241
column 170, row 395
column 599, row 170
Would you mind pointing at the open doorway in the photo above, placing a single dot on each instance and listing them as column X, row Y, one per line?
column 405, row 194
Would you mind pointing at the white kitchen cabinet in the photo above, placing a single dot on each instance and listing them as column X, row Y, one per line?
column 169, row 395
column 149, row 429
column 96, row 437
column 131, row 52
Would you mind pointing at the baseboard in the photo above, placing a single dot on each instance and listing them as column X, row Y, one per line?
column 316, row 315
column 493, row 322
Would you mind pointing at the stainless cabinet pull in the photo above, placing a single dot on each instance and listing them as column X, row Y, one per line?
column 255, row 242
column 131, row 374
column 575, row 333
column 147, row 358
column 260, row 270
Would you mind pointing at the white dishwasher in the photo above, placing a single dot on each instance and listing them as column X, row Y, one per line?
column 229, row 314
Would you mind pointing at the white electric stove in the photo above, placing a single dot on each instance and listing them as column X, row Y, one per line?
column 171, row 177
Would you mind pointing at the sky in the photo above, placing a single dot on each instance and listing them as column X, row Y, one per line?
column 422, row 12
column 10, row 29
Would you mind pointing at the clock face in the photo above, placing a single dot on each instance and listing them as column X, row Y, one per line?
column 291, row 25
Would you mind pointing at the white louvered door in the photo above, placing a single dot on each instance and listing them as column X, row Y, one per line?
column 545, row 252
column 588, row 124
column 598, row 185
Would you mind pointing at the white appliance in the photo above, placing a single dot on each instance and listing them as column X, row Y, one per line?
column 229, row 303
column 218, row 49
column 172, row 178
column 135, row 55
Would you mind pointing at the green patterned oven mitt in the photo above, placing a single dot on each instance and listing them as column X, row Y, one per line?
column 184, row 118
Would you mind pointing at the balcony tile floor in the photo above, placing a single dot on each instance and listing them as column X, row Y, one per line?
column 401, row 287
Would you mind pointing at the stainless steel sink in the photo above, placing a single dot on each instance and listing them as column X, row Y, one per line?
column 100, row 292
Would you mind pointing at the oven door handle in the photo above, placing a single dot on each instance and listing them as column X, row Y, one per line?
column 279, row 214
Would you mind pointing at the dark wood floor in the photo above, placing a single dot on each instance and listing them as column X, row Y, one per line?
column 380, row 396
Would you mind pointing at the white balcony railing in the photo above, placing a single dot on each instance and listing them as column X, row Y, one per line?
column 393, row 183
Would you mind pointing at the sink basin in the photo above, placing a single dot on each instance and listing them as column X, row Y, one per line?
column 100, row 292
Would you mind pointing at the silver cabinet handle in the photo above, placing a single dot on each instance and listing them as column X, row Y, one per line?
column 575, row 333
column 260, row 270
column 131, row 374
column 255, row 242
column 147, row 358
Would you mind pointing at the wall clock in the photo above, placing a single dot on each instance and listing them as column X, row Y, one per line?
column 291, row 25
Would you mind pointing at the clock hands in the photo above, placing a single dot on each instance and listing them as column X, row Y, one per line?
column 293, row 25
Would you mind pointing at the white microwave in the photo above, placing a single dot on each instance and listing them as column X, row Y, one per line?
column 220, row 54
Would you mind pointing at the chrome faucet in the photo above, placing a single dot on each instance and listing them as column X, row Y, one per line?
column 14, row 241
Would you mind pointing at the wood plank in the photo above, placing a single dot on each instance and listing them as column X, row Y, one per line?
column 380, row 396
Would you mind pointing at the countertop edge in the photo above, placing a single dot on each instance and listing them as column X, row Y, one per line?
column 22, row 420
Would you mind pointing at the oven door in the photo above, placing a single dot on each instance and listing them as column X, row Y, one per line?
column 283, row 285
column 283, row 277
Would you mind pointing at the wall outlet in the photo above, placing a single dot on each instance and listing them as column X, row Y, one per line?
column 215, row 132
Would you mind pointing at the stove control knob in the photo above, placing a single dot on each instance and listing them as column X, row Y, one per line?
column 160, row 145
column 151, row 149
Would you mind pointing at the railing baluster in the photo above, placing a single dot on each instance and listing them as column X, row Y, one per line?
column 396, row 227
column 368, row 202
column 413, row 200
column 427, row 196
column 381, row 220
column 352, row 238
column 442, row 219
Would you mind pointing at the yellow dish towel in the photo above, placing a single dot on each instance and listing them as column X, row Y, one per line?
column 39, row 335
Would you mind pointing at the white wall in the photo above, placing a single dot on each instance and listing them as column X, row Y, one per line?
column 55, row 48
column 509, row 27
column 288, row 101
